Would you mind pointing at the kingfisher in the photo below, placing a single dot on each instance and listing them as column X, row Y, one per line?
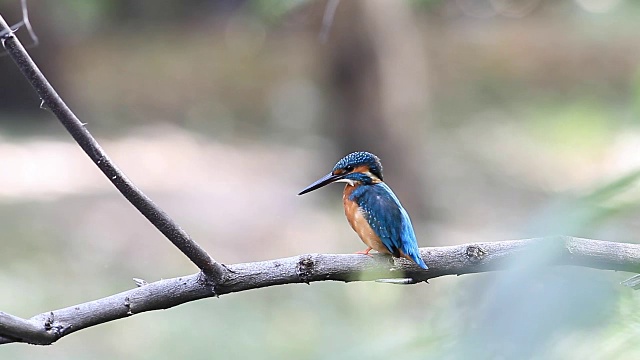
column 372, row 209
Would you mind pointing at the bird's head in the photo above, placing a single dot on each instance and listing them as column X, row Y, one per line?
column 359, row 167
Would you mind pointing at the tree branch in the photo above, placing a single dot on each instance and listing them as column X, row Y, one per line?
column 48, row 327
column 81, row 135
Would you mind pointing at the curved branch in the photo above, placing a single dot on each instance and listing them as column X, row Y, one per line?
column 81, row 135
column 48, row 327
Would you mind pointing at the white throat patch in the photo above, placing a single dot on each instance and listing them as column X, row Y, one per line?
column 348, row 181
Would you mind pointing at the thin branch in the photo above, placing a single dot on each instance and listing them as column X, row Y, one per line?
column 48, row 327
column 18, row 328
column 327, row 20
column 27, row 24
column 81, row 135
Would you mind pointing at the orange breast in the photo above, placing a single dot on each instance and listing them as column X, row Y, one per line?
column 358, row 222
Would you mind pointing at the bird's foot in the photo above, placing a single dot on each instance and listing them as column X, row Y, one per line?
column 365, row 252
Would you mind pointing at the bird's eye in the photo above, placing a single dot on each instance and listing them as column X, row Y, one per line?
column 349, row 168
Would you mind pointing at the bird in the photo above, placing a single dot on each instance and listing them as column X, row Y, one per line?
column 372, row 209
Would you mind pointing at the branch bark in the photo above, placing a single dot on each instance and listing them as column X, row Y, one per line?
column 46, row 328
column 77, row 129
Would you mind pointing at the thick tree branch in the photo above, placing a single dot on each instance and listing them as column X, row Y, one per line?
column 48, row 327
column 81, row 135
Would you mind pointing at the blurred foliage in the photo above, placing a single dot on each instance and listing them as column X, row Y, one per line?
column 274, row 11
column 581, row 215
column 584, row 126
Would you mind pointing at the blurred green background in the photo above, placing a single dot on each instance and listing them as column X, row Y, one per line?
column 495, row 120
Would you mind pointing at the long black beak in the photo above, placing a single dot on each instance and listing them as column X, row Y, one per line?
column 325, row 180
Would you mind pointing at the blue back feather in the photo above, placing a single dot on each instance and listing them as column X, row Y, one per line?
column 388, row 219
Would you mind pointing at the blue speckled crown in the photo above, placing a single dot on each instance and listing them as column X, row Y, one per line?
column 360, row 158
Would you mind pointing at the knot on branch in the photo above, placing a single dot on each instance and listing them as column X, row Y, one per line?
column 475, row 253
column 208, row 282
column 58, row 331
column 127, row 304
column 48, row 322
column 305, row 268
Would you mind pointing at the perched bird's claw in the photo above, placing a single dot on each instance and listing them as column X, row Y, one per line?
column 365, row 252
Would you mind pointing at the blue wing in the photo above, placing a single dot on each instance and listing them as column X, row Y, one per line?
column 389, row 220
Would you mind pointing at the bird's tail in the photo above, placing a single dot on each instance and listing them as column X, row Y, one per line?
column 415, row 257
column 419, row 261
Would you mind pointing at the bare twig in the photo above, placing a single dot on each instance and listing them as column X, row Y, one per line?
column 632, row 282
column 48, row 327
column 137, row 198
column 27, row 24
column 327, row 20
